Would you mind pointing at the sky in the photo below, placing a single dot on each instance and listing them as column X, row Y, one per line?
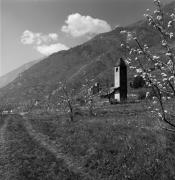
column 34, row 29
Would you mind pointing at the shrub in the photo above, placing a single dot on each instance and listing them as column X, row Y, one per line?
column 142, row 94
column 138, row 82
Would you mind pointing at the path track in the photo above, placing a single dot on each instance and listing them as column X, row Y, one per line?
column 5, row 170
column 55, row 148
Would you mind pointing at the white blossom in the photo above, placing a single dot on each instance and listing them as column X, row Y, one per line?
column 164, row 98
column 164, row 43
column 156, row 1
column 165, row 111
column 122, row 45
column 154, row 98
column 123, row 32
column 156, row 57
column 165, row 79
column 154, row 102
column 160, row 115
column 168, row 54
column 170, row 78
column 147, row 94
column 172, row 16
column 129, row 36
column 171, row 35
column 139, row 70
column 164, row 75
column 170, row 23
column 156, row 11
column 159, row 17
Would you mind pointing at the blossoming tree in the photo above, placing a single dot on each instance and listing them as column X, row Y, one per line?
column 156, row 67
column 89, row 96
column 67, row 99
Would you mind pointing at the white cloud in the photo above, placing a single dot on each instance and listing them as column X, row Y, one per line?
column 78, row 25
column 29, row 37
column 45, row 44
column 50, row 49
column 53, row 36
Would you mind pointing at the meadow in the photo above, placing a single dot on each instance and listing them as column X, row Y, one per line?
column 122, row 141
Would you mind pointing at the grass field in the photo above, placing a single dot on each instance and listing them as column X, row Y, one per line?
column 1, row 121
column 24, row 159
column 121, row 142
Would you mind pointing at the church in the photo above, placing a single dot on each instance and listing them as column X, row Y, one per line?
column 118, row 93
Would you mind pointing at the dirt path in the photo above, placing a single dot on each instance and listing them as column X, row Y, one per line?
column 55, row 148
column 4, row 159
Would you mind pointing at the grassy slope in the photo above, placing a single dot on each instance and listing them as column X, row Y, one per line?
column 9, row 77
column 122, row 142
column 27, row 160
column 1, row 121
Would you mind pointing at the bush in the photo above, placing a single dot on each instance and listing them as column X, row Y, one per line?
column 142, row 94
column 81, row 101
column 138, row 82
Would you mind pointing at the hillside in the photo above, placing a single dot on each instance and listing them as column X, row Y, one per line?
column 12, row 75
column 93, row 59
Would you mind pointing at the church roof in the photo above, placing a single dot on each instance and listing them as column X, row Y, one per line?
column 120, row 62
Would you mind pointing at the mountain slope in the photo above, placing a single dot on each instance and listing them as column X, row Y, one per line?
column 93, row 59
column 12, row 75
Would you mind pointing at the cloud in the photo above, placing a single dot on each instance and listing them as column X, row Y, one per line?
column 78, row 25
column 29, row 37
column 50, row 49
column 53, row 36
column 45, row 44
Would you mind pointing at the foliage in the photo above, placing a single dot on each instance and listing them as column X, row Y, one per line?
column 141, row 93
column 157, row 68
column 138, row 82
column 81, row 101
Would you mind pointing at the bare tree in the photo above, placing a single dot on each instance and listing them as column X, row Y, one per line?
column 89, row 96
column 67, row 99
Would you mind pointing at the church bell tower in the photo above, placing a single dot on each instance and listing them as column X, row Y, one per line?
column 120, row 81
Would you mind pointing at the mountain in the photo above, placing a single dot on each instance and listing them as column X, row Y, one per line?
column 92, row 60
column 12, row 75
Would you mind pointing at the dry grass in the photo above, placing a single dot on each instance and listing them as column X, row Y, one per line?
column 121, row 142
column 27, row 160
